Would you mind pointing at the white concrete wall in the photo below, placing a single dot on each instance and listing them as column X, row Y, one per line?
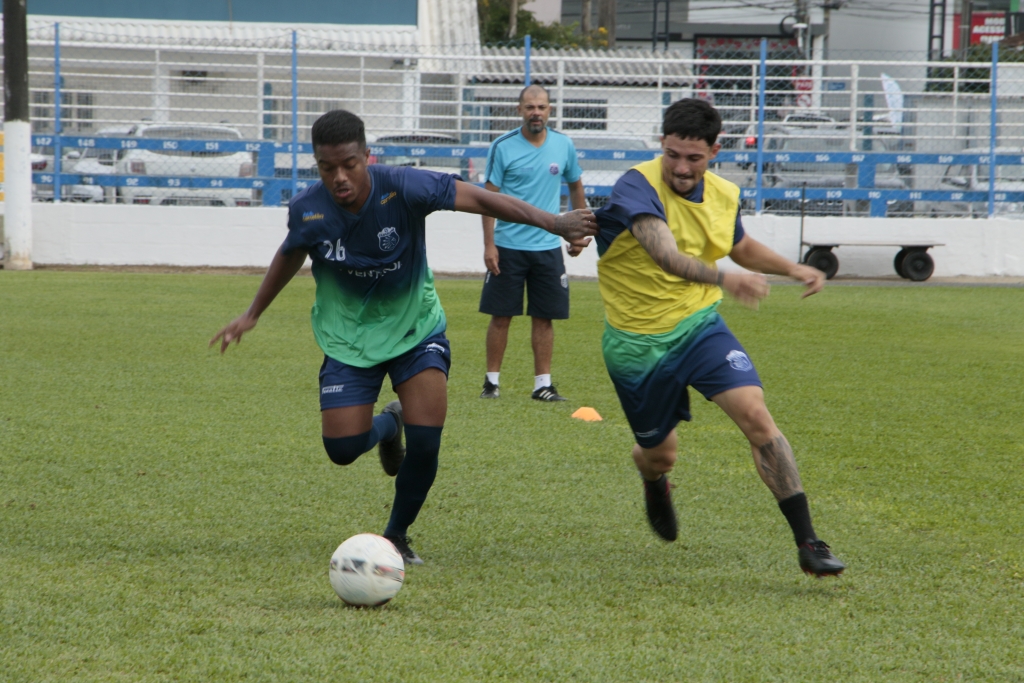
column 77, row 234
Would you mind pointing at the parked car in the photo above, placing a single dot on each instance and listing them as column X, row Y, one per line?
column 791, row 124
column 817, row 175
column 470, row 169
column 92, row 162
column 41, row 163
column 605, row 172
column 975, row 178
column 180, row 163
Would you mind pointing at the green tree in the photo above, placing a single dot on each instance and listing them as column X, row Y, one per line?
column 494, row 25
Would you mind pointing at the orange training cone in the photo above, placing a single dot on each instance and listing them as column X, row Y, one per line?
column 587, row 414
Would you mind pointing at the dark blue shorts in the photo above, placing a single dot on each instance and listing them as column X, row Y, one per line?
column 711, row 363
column 344, row 385
column 542, row 273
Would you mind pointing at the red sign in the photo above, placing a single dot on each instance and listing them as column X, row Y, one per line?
column 987, row 27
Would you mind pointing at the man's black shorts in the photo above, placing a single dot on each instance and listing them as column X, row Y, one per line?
column 543, row 273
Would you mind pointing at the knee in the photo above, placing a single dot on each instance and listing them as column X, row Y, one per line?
column 757, row 424
column 660, row 459
column 500, row 322
column 344, row 450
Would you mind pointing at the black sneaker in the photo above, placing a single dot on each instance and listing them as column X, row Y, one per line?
column 817, row 560
column 660, row 512
column 547, row 394
column 401, row 544
column 490, row 390
column 391, row 451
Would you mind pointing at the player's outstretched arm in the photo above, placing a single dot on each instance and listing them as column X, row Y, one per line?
column 654, row 235
column 755, row 256
column 282, row 269
column 572, row 226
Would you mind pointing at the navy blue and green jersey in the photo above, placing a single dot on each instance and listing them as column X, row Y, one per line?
column 375, row 297
column 535, row 175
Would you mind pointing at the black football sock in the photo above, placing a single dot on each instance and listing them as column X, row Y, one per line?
column 415, row 476
column 385, row 425
column 799, row 517
column 344, row 450
column 657, row 488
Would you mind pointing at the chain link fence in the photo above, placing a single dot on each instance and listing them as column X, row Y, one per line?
column 214, row 120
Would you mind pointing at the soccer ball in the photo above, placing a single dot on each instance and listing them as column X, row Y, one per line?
column 367, row 570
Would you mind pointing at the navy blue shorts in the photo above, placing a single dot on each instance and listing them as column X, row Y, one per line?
column 344, row 385
column 543, row 275
column 656, row 400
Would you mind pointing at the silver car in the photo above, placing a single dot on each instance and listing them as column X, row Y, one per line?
column 210, row 163
column 975, row 178
column 92, row 162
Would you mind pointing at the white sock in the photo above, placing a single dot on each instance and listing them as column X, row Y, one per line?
column 541, row 381
column 492, row 377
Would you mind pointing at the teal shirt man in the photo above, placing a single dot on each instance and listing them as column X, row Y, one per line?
column 535, row 175
column 529, row 163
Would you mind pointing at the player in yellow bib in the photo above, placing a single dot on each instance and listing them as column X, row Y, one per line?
column 665, row 226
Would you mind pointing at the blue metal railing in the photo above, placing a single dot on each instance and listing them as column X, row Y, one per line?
column 276, row 184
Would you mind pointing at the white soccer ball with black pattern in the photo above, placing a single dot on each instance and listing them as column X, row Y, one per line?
column 367, row 570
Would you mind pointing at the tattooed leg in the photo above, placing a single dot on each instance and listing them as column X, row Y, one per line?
column 777, row 467
column 773, row 456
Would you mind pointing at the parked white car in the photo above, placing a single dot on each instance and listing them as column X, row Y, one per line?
column 605, row 172
column 975, row 178
column 93, row 162
column 178, row 163
column 470, row 169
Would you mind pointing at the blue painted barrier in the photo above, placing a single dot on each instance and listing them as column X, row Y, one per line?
column 273, row 181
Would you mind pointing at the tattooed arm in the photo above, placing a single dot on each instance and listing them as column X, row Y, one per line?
column 654, row 236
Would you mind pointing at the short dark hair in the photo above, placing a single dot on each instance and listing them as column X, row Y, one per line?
column 337, row 127
column 522, row 93
column 692, row 119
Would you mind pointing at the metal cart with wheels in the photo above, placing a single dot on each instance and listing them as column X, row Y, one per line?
column 912, row 262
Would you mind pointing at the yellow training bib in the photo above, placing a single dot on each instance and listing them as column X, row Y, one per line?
column 638, row 295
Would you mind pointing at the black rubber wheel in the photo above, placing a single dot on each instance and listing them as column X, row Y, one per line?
column 918, row 265
column 898, row 261
column 824, row 260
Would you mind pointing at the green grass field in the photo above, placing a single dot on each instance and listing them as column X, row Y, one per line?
column 167, row 514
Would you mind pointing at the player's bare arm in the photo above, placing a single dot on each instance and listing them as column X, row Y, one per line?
column 752, row 255
column 656, row 238
column 578, row 200
column 572, row 226
column 282, row 269
column 490, row 249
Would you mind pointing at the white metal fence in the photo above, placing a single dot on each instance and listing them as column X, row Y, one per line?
column 149, row 119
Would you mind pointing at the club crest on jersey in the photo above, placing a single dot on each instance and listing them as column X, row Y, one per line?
column 739, row 361
column 553, row 169
column 388, row 238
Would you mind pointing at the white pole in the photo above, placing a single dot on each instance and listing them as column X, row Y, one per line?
column 18, row 194
column 817, row 70
column 854, row 91
column 259, row 94
column 161, row 91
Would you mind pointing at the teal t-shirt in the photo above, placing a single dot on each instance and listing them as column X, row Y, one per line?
column 535, row 175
